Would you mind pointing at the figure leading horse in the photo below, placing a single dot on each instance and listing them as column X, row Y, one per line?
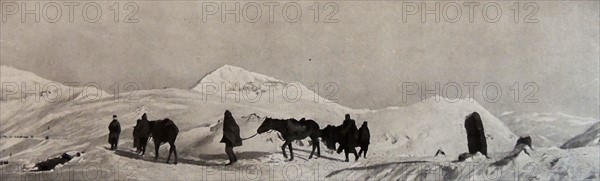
column 291, row 130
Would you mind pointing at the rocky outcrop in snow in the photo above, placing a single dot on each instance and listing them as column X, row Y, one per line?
column 547, row 129
column 590, row 137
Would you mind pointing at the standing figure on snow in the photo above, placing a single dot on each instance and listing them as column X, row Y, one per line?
column 114, row 129
column 231, row 136
column 364, row 139
column 136, row 136
column 476, row 140
column 348, row 142
column 144, row 133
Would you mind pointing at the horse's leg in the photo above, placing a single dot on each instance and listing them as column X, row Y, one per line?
column 313, row 148
column 361, row 150
column 175, row 152
column 340, row 149
column 318, row 148
column 170, row 151
column 156, row 146
column 356, row 156
column 291, row 152
column 283, row 149
column 346, row 153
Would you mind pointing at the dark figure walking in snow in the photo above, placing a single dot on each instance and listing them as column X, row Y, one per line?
column 114, row 129
column 291, row 130
column 475, row 134
column 231, row 136
column 144, row 133
column 346, row 135
column 164, row 131
column 136, row 136
column 364, row 139
column 350, row 137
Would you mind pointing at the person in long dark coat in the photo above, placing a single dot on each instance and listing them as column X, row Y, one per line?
column 231, row 136
column 144, row 133
column 136, row 136
column 364, row 139
column 476, row 140
column 114, row 129
column 349, row 133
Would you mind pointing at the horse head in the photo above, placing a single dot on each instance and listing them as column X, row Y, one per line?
column 266, row 125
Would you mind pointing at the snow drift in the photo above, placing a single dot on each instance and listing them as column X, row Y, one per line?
column 547, row 129
column 406, row 135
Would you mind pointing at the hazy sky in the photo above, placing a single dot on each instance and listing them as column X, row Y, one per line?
column 369, row 52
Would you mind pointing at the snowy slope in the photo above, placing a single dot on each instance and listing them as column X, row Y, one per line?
column 590, row 137
column 15, row 81
column 541, row 164
column 11, row 74
column 425, row 127
column 547, row 129
column 18, row 84
column 412, row 133
column 228, row 80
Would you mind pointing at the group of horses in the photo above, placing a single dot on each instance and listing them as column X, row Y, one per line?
column 346, row 135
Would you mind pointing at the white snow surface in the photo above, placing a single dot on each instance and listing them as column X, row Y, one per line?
column 547, row 129
column 403, row 140
column 29, row 87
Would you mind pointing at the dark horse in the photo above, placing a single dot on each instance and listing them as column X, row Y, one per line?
column 346, row 135
column 291, row 130
column 164, row 131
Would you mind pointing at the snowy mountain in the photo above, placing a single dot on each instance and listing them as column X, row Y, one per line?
column 18, row 84
column 11, row 74
column 253, row 87
column 401, row 137
column 14, row 81
column 547, row 129
column 238, row 79
column 590, row 137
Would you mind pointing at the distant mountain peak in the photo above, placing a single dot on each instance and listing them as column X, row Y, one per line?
column 15, row 75
column 236, row 79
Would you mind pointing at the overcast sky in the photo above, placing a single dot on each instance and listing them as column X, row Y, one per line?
column 369, row 52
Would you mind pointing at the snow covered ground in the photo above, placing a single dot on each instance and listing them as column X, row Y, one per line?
column 547, row 129
column 404, row 139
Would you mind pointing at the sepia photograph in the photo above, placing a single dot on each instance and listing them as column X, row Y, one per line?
column 299, row 90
